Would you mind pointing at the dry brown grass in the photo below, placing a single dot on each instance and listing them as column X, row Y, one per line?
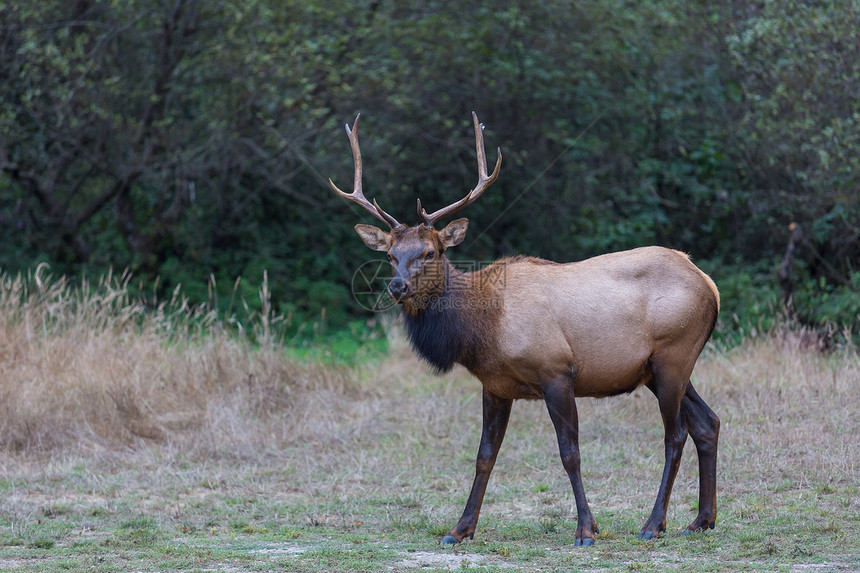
column 789, row 412
column 89, row 367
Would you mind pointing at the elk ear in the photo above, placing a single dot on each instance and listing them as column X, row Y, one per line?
column 454, row 233
column 374, row 237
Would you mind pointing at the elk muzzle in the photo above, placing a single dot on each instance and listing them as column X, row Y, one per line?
column 398, row 289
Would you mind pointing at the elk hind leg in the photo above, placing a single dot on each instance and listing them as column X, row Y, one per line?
column 669, row 389
column 704, row 427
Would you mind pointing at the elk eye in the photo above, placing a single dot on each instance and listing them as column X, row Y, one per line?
column 429, row 255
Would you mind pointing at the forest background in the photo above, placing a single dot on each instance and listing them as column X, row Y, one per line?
column 191, row 142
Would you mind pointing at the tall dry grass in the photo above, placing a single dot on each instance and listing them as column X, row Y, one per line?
column 89, row 366
column 790, row 411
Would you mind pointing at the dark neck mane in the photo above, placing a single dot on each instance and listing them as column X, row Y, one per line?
column 454, row 327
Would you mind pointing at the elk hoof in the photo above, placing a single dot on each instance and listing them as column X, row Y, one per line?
column 449, row 540
column 646, row 535
column 584, row 542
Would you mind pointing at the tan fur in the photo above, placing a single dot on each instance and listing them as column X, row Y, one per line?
column 603, row 318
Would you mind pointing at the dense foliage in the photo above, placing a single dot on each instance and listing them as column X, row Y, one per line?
column 192, row 141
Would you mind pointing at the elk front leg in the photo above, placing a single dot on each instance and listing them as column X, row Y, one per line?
column 560, row 402
column 497, row 411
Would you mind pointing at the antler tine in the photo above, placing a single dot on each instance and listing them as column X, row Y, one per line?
column 357, row 195
column 484, row 180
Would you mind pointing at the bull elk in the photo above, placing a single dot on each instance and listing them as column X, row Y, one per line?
column 528, row 328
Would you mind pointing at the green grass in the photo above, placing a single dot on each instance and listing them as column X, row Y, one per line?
column 353, row 346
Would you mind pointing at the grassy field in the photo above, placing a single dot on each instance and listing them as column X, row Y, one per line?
column 159, row 441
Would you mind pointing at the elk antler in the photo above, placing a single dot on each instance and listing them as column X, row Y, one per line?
column 484, row 181
column 357, row 195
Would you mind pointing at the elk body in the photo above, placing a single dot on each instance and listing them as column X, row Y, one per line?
column 534, row 329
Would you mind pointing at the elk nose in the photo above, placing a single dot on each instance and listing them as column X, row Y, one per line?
column 397, row 288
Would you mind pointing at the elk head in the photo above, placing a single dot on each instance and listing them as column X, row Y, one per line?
column 416, row 253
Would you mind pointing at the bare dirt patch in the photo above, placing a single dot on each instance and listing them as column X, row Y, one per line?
column 283, row 549
column 441, row 560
